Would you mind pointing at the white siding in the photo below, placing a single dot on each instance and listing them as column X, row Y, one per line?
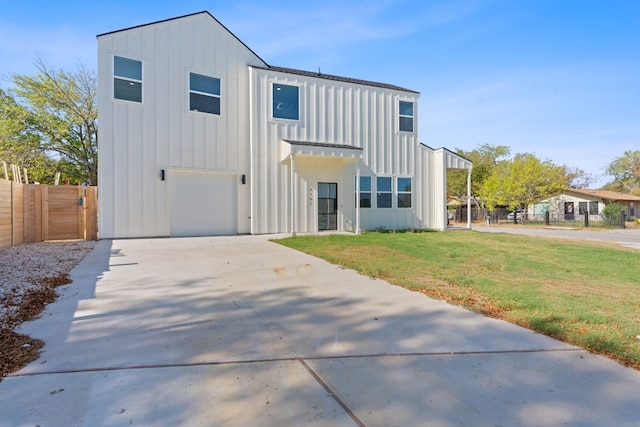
column 138, row 140
column 331, row 112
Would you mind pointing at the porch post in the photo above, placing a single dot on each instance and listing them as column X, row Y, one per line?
column 293, row 194
column 357, row 197
column 469, row 198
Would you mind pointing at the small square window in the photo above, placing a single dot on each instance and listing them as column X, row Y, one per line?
column 286, row 104
column 365, row 192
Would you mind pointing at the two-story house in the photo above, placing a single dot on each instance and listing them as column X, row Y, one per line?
column 199, row 135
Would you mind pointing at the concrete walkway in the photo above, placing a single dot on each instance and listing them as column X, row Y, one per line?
column 240, row 331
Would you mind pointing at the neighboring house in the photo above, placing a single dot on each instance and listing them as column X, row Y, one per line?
column 575, row 202
column 200, row 136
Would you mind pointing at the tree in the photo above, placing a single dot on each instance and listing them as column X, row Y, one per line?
column 522, row 181
column 19, row 144
column 484, row 159
column 64, row 110
column 576, row 177
column 626, row 171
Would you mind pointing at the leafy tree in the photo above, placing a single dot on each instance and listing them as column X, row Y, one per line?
column 484, row 159
column 626, row 171
column 19, row 144
column 611, row 213
column 522, row 181
column 576, row 177
column 63, row 106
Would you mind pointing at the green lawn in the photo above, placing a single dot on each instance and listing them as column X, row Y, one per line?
column 585, row 294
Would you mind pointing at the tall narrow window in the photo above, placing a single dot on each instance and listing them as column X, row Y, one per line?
column 593, row 208
column 127, row 79
column 365, row 192
column 204, row 94
column 406, row 116
column 286, row 104
column 582, row 208
column 383, row 188
column 404, row 192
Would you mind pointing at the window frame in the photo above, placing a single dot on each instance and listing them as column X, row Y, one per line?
column 127, row 79
column 583, row 208
column 595, row 211
column 384, row 192
column 400, row 192
column 273, row 101
column 358, row 199
column 406, row 116
column 201, row 93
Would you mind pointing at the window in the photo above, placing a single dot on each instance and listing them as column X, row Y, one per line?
column 593, row 208
column 127, row 79
column 383, row 187
column 365, row 192
column 582, row 208
column 406, row 116
column 404, row 192
column 204, row 94
column 285, row 102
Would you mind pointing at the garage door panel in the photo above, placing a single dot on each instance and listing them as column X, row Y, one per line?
column 203, row 204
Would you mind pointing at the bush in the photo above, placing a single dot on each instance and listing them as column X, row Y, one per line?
column 611, row 213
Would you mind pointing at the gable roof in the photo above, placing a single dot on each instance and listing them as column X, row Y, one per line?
column 204, row 12
column 320, row 75
column 604, row 194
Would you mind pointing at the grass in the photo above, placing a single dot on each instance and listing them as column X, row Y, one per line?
column 586, row 294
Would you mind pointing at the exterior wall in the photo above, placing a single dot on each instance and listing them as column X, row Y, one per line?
column 331, row 112
column 556, row 204
column 138, row 140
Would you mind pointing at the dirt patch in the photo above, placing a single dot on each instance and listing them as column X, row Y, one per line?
column 29, row 276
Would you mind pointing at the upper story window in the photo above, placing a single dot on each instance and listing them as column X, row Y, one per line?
column 406, row 116
column 365, row 192
column 204, row 94
column 404, row 192
column 383, row 187
column 127, row 79
column 286, row 104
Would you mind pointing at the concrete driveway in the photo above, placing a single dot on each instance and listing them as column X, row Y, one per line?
column 240, row 331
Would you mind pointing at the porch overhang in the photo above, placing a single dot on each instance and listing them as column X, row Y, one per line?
column 347, row 153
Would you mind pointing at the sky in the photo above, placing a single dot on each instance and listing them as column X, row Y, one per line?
column 557, row 78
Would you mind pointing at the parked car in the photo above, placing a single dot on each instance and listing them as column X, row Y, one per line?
column 518, row 215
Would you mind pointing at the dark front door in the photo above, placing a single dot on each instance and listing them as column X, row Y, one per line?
column 327, row 206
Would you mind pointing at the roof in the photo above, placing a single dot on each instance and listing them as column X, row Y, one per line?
column 604, row 194
column 204, row 12
column 321, row 144
column 273, row 68
column 320, row 75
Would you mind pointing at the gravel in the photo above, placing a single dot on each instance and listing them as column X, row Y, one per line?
column 25, row 269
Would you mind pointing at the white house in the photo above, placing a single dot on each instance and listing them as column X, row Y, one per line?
column 575, row 203
column 200, row 136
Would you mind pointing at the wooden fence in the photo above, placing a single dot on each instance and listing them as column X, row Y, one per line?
column 34, row 213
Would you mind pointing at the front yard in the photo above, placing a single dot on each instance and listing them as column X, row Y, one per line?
column 585, row 294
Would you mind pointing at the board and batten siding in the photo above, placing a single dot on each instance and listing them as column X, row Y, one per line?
column 331, row 112
column 139, row 140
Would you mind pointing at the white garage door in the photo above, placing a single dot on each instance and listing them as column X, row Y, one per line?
column 203, row 204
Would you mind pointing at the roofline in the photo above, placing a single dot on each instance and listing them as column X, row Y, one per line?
column 333, row 77
column 594, row 193
column 181, row 17
column 446, row 149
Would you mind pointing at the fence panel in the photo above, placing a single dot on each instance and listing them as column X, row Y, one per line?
column 33, row 213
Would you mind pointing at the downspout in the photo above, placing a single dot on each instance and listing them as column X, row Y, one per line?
column 293, row 194
column 469, row 198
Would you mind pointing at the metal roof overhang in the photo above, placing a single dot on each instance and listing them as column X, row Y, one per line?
column 343, row 152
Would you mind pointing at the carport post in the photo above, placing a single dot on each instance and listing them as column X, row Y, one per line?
column 293, row 194
column 469, row 198
column 357, row 199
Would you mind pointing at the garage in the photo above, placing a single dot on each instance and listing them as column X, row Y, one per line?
column 202, row 204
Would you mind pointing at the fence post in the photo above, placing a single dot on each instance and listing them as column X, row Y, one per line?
column 586, row 220
column 622, row 215
column 547, row 218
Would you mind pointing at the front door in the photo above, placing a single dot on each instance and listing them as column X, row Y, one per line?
column 327, row 206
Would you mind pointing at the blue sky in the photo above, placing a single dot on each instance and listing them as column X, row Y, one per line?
column 558, row 78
